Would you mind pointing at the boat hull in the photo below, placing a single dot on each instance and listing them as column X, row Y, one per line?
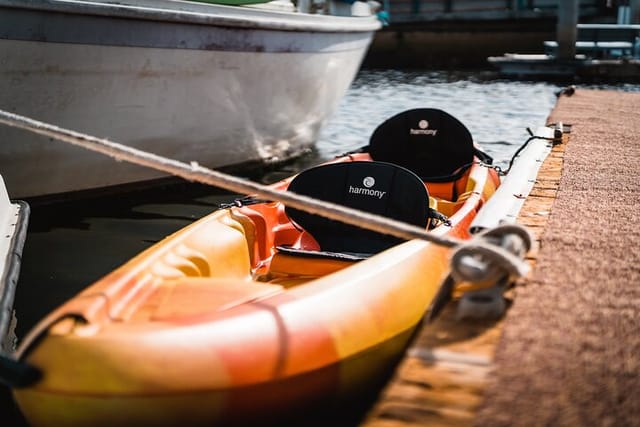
column 323, row 392
column 234, row 91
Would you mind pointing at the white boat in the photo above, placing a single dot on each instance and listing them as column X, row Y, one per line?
column 229, row 87
column 14, row 216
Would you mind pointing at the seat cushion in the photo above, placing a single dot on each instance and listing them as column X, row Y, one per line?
column 375, row 187
column 430, row 142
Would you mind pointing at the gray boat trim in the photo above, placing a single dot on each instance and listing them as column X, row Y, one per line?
column 65, row 27
column 204, row 14
column 54, row 27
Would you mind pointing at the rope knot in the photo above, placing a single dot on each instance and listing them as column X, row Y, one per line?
column 492, row 255
column 484, row 266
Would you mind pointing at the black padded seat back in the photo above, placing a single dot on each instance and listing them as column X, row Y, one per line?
column 375, row 187
column 428, row 141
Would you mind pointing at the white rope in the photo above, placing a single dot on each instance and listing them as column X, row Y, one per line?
column 197, row 173
column 492, row 256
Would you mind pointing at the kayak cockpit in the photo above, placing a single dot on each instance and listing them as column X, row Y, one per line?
column 282, row 242
column 418, row 168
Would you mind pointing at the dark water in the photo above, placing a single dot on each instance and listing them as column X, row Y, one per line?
column 69, row 246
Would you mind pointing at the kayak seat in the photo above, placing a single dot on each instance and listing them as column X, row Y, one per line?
column 429, row 142
column 289, row 263
column 376, row 187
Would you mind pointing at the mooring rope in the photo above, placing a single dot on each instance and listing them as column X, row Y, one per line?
column 476, row 261
column 194, row 172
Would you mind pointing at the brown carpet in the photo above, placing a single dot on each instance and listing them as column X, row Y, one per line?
column 570, row 351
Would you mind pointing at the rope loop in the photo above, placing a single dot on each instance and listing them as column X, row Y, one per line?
column 492, row 255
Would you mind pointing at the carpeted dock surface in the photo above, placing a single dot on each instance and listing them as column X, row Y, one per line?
column 569, row 354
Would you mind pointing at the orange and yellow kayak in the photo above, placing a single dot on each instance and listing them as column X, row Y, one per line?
column 258, row 312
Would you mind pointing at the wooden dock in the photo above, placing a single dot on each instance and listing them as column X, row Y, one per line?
column 442, row 379
column 462, row 373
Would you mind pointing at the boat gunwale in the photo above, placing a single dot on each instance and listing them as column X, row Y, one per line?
column 211, row 14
